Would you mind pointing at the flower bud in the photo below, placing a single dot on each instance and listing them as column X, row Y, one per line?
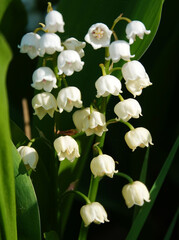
column 68, row 98
column 106, row 85
column 30, row 44
column 69, row 61
column 66, row 147
column 74, row 44
column 135, row 28
column 102, row 165
column 93, row 212
column 54, row 22
column 90, row 122
column 135, row 193
column 127, row 109
column 29, row 156
column 44, row 103
column 98, row 35
column 119, row 50
column 135, row 76
column 50, row 43
column 44, row 78
column 138, row 137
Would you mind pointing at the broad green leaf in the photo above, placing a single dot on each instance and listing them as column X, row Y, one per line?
column 7, row 188
column 3, row 5
column 28, row 219
column 145, row 210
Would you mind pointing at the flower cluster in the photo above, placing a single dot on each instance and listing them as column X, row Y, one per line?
column 56, row 96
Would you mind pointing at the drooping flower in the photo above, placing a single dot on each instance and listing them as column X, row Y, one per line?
column 138, row 137
column 135, row 28
column 29, row 156
column 54, row 22
column 69, row 61
column 44, row 78
column 98, row 35
column 107, row 85
column 135, row 193
column 127, row 109
column 50, row 43
column 119, row 49
column 44, row 103
column 93, row 212
column 68, row 98
column 136, row 77
column 30, row 44
column 90, row 122
column 102, row 165
column 66, row 147
column 74, row 44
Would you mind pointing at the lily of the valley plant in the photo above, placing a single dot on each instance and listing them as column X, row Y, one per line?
column 55, row 94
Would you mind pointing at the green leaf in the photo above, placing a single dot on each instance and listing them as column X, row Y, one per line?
column 171, row 227
column 7, row 188
column 28, row 219
column 3, row 5
column 145, row 210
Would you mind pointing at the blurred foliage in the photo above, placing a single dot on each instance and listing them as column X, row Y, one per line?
column 159, row 103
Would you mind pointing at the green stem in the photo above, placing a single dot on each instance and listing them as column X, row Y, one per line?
column 119, row 18
column 120, row 97
column 114, row 69
column 103, row 69
column 127, row 124
column 120, row 174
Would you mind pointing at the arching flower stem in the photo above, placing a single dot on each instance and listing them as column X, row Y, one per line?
column 120, row 174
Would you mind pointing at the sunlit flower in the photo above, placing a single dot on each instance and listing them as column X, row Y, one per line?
column 102, row 165
column 135, row 28
column 107, row 85
column 135, row 193
column 66, row 147
column 44, row 103
column 93, row 212
column 74, row 44
column 30, row 44
column 69, row 61
column 44, row 78
column 135, row 76
column 54, row 22
column 90, row 122
column 50, row 43
column 68, row 98
column 29, row 156
column 138, row 137
column 119, row 49
column 127, row 109
column 98, row 35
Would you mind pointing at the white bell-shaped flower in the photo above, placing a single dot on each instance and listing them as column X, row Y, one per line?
column 50, row 43
column 102, row 165
column 119, row 49
column 135, row 28
column 69, row 61
column 44, row 103
column 107, row 85
column 138, row 137
column 74, row 44
column 98, row 35
column 93, row 212
column 66, row 147
column 135, row 194
column 29, row 156
column 135, row 76
column 127, row 109
column 54, row 22
column 44, row 78
column 30, row 44
column 90, row 122
column 68, row 98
